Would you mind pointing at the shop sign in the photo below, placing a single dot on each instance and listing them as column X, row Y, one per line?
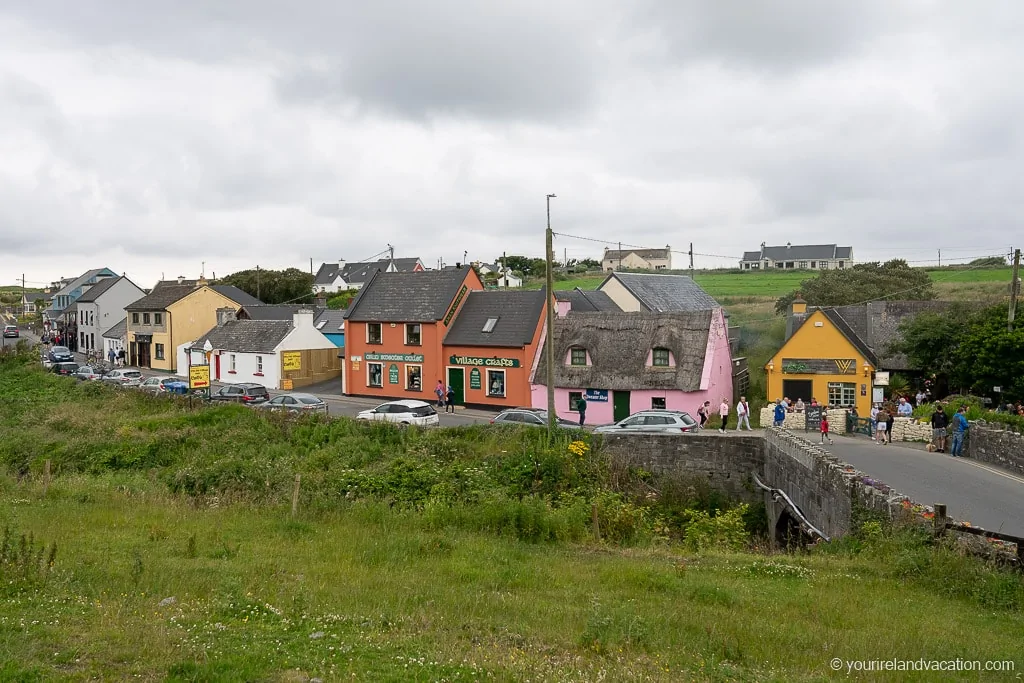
column 455, row 305
column 493, row 362
column 291, row 360
column 199, row 377
column 397, row 357
column 819, row 366
column 474, row 378
column 596, row 395
column 393, row 374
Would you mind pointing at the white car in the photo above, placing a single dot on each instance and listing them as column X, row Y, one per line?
column 156, row 385
column 125, row 377
column 406, row 412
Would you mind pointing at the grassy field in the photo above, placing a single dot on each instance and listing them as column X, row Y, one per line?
column 451, row 554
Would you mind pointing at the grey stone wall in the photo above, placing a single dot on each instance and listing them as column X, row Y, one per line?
column 725, row 462
column 1002, row 447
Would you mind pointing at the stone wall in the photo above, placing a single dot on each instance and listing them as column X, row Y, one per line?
column 725, row 462
column 795, row 421
column 989, row 443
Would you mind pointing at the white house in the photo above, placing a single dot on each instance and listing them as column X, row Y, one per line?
column 798, row 257
column 32, row 302
column 116, row 338
column 637, row 259
column 338, row 277
column 509, row 279
column 260, row 351
column 100, row 307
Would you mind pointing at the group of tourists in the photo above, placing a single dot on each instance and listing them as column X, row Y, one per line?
column 445, row 397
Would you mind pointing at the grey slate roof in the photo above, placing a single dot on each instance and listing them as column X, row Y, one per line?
column 35, row 296
column 358, row 273
column 117, row 331
column 584, row 301
column 752, row 256
column 326, row 274
column 518, row 314
column 246, row 336
column 665, row 293
column 646, row 254
column 271, row 311
column 618, row 345
column 81, row 280
column 237, row 295
column 334, row 321
column 407, row 297
column 162, row 296
column 97, row 289
column 876, row 326
column 799, row 252
column 402, row 265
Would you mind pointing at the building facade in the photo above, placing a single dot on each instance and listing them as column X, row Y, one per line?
column 798, row 257
column 101, row 307
column 637, row 259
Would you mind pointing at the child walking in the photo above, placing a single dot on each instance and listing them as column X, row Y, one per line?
column 824, row 428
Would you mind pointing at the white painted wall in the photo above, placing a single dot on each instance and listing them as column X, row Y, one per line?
column 115, row 344
column 247, row 367
column 108, row 309
column 304, row 335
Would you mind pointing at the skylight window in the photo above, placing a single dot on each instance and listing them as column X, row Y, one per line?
column 320, row 325
column 489, row 325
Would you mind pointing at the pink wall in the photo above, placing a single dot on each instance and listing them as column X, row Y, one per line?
column 716, row 383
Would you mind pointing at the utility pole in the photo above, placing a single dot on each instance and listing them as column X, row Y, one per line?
column 1014, row 290
column 691, row 260
column 504, row 274
column 391, row 254
column 940, row 258
column 257, row 282
column 311, row 265
column 550, row 345
column 620, row 256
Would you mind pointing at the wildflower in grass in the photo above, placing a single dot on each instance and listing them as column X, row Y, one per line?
column 579, row 448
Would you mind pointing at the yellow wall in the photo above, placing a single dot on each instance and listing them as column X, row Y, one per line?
column 620, row 295
column 191, row 318
column 824, row 342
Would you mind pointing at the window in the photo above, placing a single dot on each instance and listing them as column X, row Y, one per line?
column 413, row 377
column 489, row 325
column 259, row 365
column 82, row 340
column 374, row 333
column 145, row 318
column 824, row 265
column 231, row 366
column 159, row 351
column 320, row 325
column 577, row 356
column 660, row 358
column 412, row 334
column 135, row 318
column 803, row 265
column 657, row 403
column 842, row 394
column 814, row 264
column 374, row 374
column 574, row 399
column 158, row 318
column 496, row 383
column 842, row 264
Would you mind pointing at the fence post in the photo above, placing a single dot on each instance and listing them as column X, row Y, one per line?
column 593, row 518
column 295, row 495
column 46, row 476
column 939, row 520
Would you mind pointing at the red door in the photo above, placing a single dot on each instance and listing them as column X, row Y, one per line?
column 216, row 366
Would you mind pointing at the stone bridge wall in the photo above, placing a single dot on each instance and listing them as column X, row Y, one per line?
column 992, row 444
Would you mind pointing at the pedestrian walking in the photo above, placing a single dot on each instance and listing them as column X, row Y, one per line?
column 881, row 425
column 440, row 393
column 450, row 403
column 824, row 428
column 111, row 356
column 723, row 412
column 120, row 358
column 703, row 413
column 743, row 414
column 581, row 405
column 960, row 427
column 780, row 413
column 940, row 423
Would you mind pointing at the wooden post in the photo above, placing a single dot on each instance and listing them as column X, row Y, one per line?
column 295, row 495
column 46, row 476
column 939, row 521
column 593, row 518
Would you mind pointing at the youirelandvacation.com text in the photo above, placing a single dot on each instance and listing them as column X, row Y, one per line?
column 852, row 666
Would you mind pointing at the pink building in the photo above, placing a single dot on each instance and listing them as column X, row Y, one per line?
column 624, row 362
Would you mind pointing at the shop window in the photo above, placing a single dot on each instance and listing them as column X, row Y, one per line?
column 413, row 377
column 657, row 403
column 842, row 394
column 412, row 334
column 375, row 374
column 374, row 333
column 577, row 356
column 496, row 383
column 574, row 399
column 660, row 358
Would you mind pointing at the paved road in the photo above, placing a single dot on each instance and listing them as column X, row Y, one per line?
column 985, row 496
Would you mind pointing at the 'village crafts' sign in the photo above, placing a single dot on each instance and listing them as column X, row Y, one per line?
column 819, row 366
column 399, row 357
column 494, row 362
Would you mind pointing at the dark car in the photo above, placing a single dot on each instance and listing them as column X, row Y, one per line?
column 246, row 393
column 60, row 354
column 66, row 369
column 10, row 331
column 532, row 417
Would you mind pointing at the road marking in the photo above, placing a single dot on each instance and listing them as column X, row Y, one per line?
column 1007, row 475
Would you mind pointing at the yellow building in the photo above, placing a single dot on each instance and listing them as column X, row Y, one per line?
column 823, row 359
column 173, row 314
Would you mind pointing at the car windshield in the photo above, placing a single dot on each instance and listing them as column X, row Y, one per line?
column 309, row 400
column 132, row 373
column 61, row 349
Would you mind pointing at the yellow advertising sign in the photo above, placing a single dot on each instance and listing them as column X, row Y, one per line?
column 291, row 360
column 199, row 377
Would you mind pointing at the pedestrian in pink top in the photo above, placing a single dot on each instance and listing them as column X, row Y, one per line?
column 723, row 412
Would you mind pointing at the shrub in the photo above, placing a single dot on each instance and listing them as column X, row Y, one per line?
column 725, row 530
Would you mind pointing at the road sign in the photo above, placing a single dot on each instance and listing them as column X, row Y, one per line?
column 199, row 377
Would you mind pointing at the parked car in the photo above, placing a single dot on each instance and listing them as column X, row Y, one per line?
column 534, row 417
column 652, row 421
column 89, row 372
column 60, row 354
column 246, row 393
column 295, row 403
column 406, row 412
column 10, row 331
column 124, row 377
column 66, row 369
column 156, row 385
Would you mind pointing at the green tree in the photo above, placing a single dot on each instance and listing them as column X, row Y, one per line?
column 519, row 264
column 863, row 282
column 274, row 286
column 931, row 340
column 341, row 300
column 989, row 262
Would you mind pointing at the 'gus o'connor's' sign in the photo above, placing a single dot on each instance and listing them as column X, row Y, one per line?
column 485, row 362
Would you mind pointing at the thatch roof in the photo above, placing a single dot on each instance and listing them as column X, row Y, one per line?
column 619, row 344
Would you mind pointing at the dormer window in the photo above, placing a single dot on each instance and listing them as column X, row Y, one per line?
column 489, row 325
column 661, row 358
column 577, row 356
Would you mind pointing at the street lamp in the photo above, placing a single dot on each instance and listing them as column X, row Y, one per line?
column 550, row 355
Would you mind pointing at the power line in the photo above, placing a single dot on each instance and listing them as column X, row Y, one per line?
column 637, row 246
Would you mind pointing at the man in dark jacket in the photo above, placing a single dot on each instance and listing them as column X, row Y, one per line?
column 939, row 424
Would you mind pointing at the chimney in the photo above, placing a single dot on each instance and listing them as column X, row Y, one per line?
column 796, row 316
column 201, row 282
column 224, row 315
column 181, row 279
column 341, row 263
column 789, row 245
column 302, row 318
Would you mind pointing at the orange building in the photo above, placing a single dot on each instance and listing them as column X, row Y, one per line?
column 490, row 348
column 394, row 330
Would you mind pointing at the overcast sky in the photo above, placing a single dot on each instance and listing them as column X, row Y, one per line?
column 151, row 137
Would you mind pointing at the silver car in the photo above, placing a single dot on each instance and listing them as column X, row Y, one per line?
column 295, row 404
column 123, row 377
column 673, row 421
column 532, row 417
column 156, row 385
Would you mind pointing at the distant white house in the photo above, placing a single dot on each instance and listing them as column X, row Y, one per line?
column 798, row 257
column 637, row 259
column 116, row 338
column 509, row 280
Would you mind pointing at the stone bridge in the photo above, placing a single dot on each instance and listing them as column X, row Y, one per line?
column 824, row 490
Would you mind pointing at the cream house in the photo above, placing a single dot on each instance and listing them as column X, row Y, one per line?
column 637, row 259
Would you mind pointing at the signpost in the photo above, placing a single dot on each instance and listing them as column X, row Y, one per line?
column 199, row 377
column 813, row 418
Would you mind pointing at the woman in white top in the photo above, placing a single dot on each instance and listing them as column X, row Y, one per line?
column 723, row 412
column 799, row 405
